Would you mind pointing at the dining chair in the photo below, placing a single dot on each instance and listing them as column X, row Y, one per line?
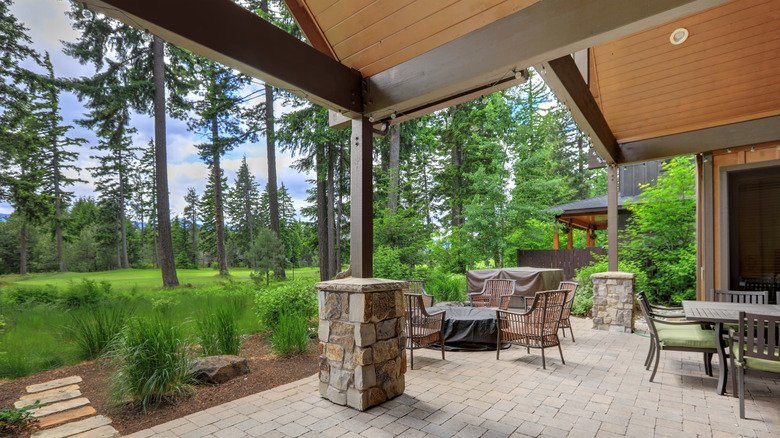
column 741, row 296
column 423, row 328
column 491, row 293
column 537, row 327
column 572, row 287
column 418, row 287
column 677, row 336
column 755, row 350
column 662, row 312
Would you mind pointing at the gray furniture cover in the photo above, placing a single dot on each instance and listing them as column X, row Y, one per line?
column 528, row 281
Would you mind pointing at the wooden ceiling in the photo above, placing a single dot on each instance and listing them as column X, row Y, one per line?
column 374, row 35
column 726, row 72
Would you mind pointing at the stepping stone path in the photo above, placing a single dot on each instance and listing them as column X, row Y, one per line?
column 62, row 403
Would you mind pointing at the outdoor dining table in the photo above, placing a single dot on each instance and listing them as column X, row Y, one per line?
column 468, row 328
column 719, row 313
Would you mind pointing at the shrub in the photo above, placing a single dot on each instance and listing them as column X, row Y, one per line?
column 583, row 301
column 86, row 293
column 152, row 363
column 16, row 420
column 446, row 286
column 387, row 264
column 290, row 334
column 48, row 294
column 96, row 328
column 297, row 296
column 218, row 331
column 164, row 306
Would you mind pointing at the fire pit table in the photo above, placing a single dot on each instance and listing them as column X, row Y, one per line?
column 469, row 328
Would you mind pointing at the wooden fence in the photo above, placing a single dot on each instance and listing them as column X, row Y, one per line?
column 567, row 259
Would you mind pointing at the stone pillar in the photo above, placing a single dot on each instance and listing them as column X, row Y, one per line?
column 362, row 341
column 613, row 301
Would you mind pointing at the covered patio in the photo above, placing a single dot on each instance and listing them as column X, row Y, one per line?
column 603, row 391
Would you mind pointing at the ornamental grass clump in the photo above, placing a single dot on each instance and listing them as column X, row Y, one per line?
column 94, row 329
column 218, row 331
column 151, row 363
column 291, row 334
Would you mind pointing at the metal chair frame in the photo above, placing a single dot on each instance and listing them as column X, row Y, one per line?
column 759, row 338
column 492, row 291
column 741, row 296
column 422, row 328
column 418, row 287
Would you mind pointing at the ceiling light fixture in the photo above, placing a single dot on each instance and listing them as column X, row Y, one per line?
column 678, row 36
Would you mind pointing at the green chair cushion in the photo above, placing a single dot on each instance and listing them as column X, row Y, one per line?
column 754, row 363
column 689, row 336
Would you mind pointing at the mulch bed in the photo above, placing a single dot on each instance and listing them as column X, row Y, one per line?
column 266, row 372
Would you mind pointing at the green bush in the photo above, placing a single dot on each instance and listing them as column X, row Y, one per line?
column 218, row 331
column 151, row 363
column 48, row 294
column 86, row 293
column 583, row 301
column 387, row 264
column 446, row 286
column 298, row 296
column 96, row 328
column 290, row 334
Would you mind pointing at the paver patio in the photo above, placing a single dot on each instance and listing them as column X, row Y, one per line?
column 601, row 391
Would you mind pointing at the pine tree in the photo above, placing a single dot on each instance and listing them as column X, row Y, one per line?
column 242, row 206
column 191, row 216
column 143, row 200
column 208, row 228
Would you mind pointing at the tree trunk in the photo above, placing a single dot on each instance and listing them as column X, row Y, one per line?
column 118, row 231
column 165, row 257
column 143, row 236
column 194, row 237
column 322, row 218
column 23, row 248
column 394, row 170
column 333, row 267
column 457, row 208
column 157, row 248
column 57, row 207
column 122, row 225
column 218, row 217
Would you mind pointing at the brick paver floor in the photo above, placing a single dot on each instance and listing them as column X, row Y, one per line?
column 603, row 391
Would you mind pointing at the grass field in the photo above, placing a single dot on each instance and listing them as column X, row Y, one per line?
column 139, row 278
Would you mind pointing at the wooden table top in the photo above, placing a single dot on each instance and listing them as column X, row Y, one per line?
column 713, row 311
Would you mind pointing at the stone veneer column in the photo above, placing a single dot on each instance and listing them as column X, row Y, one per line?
column 613, row 301
column 362, row 340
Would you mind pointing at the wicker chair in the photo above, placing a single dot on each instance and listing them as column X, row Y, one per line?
column 422, row 328
column 492, row 292
column 572, row 287
column 537, row 327
column 418, row 287
column 757, row 355
column 741, row 296
column 677, row 336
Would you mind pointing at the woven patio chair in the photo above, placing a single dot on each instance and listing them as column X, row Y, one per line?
column 663, row 312
column 756, row 355
column 572, row 287
column 741, row 296
column 677, row 336
column 418, row 287
column 492, row 292
column 537, row 327
column 422, row 328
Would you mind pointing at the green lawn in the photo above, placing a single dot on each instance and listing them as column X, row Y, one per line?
column 139, row 278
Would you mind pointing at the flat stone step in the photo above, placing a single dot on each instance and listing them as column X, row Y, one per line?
column 54, row 384
column 100, row 432
column 49, row 392
column 69, row 415
column 49, row 398
column 59, row 407
column 74, row 428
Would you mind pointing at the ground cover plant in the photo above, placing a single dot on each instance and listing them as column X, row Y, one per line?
column 14, row 421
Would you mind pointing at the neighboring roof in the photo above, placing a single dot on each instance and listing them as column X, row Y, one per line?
column 590, row 205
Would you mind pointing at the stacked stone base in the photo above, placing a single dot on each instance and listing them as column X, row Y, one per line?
column 613, row 301
column 362, row 341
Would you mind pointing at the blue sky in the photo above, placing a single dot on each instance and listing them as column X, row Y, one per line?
column 48, row 26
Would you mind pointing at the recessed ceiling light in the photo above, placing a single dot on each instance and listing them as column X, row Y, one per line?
column 678, row 36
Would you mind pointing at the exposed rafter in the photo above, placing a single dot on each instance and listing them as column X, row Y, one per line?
column 564, row 77
column 546, row 30
column 225, row 32
column 746, row 133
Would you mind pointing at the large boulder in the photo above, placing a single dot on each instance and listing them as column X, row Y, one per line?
column 219, row 369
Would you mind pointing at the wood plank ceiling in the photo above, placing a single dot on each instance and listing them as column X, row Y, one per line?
column 727, row 71
column 374, row 35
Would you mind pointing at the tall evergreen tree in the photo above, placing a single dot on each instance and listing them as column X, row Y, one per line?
column 242, row 206
column 191, row 210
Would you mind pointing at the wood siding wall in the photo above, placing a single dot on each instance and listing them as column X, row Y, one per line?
column 567, row 259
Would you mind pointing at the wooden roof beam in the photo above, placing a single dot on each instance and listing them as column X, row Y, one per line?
column 564, row 78
column 227, row 33
column 545, row 30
